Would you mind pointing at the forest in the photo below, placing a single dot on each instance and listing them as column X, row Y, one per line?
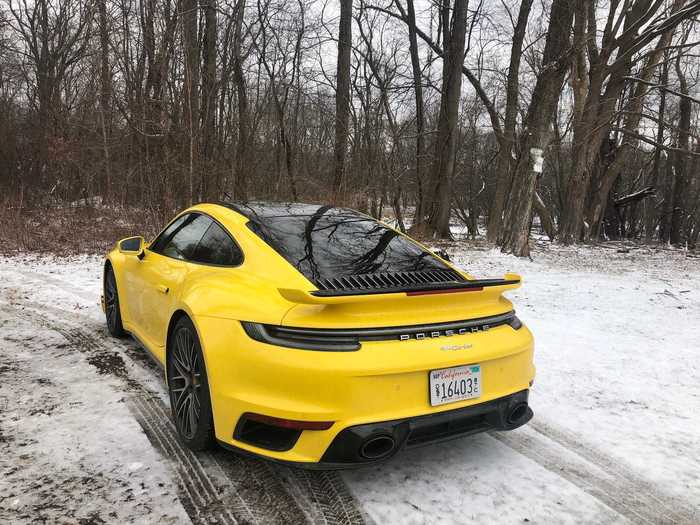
column 577, row 118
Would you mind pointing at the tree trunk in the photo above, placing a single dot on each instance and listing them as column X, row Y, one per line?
column 240, row 190
column 680, row 161
column 342, row 96
column 545, row 217
column 190, row 45
column 105, row 95
column 505, row 151
column 209, row 88
column 420, row 118
column 669, row 193
column 438, row 223
column 634, row 108
column 537, row 121
column 651, row 214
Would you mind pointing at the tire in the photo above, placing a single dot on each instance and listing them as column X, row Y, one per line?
column 113, row 313
column 188, row 387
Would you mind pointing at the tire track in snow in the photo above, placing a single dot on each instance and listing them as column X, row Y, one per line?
column 619, row 489
column 329, row 493
column 200, row 499
column 264, row 492
column 673, row 505
column 199, row 493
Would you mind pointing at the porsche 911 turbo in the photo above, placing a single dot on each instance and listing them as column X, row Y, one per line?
column 316, row 335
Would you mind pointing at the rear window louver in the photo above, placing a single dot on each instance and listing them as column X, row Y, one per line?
column 389, row 280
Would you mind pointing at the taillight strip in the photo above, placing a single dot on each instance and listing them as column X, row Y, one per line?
column 349, row 339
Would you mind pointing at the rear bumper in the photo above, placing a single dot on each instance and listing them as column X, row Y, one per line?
column 384, row 381
column 506, row 413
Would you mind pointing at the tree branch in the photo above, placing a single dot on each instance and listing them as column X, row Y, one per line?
column 652, row 142
column 666, row 89
column 473, row 80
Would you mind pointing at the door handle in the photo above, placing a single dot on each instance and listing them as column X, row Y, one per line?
column 162, row 288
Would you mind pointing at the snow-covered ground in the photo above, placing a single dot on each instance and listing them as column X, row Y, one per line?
column 615, row 438
column 617, row 337
column 70, row 448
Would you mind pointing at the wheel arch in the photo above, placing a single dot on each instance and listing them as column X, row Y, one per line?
column 174, row 318
column 105, row 268
column 177, row 315
column 114, row 265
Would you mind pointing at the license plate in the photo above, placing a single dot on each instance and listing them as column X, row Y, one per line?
column 458, row 383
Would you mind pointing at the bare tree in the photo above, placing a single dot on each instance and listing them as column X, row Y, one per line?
column 508, row 137
column 681, row 161
column 55, row 39
column 431, row 107
column 626, row 32
column 342, row 96
column 105, row 93
column 243, row 143
column 515, row 236
column 209, row 85
column 410, row 16
column 190, row 46
column 454, row 30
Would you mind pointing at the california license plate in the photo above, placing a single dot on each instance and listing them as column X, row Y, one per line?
column 458, row 383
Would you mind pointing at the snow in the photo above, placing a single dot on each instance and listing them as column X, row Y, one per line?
column 617, row 341
column 71, row 450
column 617, row 338
column 616, row 401
column 472, row 480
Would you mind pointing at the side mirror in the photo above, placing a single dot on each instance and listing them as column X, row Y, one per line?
column 132, row 246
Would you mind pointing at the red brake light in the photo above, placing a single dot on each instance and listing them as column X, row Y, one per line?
column 447, row 290
column 289, row 423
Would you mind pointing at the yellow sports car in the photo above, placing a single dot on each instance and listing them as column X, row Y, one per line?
column 316, row 335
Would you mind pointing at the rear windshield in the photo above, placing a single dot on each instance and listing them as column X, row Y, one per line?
column 328, row 242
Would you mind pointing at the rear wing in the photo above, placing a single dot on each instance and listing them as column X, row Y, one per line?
column 510, row 281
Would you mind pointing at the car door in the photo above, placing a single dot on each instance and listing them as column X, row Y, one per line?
column 160, row 277
column 133, row 280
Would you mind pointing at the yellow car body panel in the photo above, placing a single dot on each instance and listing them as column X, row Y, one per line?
column 382, row 381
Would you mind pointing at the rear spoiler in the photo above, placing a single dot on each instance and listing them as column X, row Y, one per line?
column 326, row 297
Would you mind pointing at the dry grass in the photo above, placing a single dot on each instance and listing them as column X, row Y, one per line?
column 73, row 230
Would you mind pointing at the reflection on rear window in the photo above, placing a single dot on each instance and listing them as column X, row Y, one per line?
column 326, row 242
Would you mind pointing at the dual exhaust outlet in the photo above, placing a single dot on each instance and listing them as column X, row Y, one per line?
column 377, row 447
column 516, row 414
column 380, row 446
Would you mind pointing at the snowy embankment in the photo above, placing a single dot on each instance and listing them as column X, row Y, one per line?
column 615, row 437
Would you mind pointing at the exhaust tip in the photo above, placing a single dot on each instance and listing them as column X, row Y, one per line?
column 516, row 413
column 377, row 447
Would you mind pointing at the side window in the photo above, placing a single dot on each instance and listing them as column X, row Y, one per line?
column 184, row 241
column 217, row 247
column 159, row 243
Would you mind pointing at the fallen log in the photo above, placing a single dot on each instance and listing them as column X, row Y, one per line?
column 637, row 196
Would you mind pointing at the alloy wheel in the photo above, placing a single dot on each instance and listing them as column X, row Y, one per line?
column 111, row 302
column 186, row 382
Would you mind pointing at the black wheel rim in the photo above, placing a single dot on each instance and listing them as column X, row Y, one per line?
column 111, row 301
column 185, row 382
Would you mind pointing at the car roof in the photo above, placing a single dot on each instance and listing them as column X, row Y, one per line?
column 325, row 242
column 262, row 210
